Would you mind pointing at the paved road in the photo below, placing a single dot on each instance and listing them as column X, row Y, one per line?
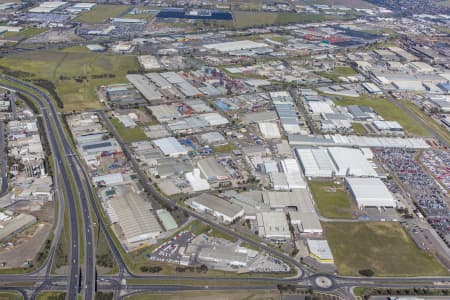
column 51, row 118
column 3, row 161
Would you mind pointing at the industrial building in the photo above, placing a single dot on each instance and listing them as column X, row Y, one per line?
column 273, row 225
column 225, row 211
column 315, row 162
column 320, row 250
column 132, row 214
column 269, row 130
column 228, row 47
column 370, row 192
column 166, row 219
column 212, row 170
column 170, row 147
column 223, row 256
column 334, row 161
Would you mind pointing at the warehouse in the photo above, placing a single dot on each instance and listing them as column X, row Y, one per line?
column 269, row 130
column 134, row 216
column 97, row 147
column 350, row 162
column 108, row 179
column 296, row 200
column 166, row 219
column 320, row 250
column 145, row 87
column 212, row 170
column 273, row 225
column 370, row 192
column 388, row 126
column 223, row 256
column 372, row 88
column 212, row 138
column 307, row 222
column 235, row 46
column 315, row 162
column 164, row 112
column 149, row 62
column 170, row 147
column 225, row 211
column 47, row 6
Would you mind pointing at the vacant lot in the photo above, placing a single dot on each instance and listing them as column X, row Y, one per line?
column 102, row 13
column 331, row 199
column 383, row 247
column 128, row 135
column 359, row 129
column 338, row 72
column 244, row 19
column 389, row 111
column 24, row 34
column 75, row 72
column 228, row 295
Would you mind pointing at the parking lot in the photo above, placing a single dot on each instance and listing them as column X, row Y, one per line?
column 438, row 163
column 169, row 251
column 425, row 190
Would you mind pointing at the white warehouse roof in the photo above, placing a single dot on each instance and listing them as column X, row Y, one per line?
column 370, row 192
column 350, row 162
column 170, row 146
column 315, row 162
column 236, row 45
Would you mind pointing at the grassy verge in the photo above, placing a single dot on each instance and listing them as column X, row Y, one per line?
column 338, row 72
column 101, row 13
column 51, row 296
column 10, row 295
column 388, row 110
column 331, row 199
column 437, row 128
column 224, row 148
column 198, row 295
column 383, row 247
column 128, row 135
column 359, row 129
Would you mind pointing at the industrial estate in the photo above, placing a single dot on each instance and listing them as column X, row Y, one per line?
column 225, row 149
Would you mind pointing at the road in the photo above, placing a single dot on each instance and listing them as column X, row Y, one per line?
column 67, row 169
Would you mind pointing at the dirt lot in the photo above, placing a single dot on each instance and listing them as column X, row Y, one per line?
column 27, row 244
column 24, row 247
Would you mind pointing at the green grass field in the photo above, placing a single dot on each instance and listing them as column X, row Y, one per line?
column 383, row 247
column 437, row 128
column 331, row 199
column 102, row 13
column 51, row 295
column 218, row 295
column 388, row 110
column 128, row 135
column 243, row 19
column 24, row 34
column 359, row 129
column 338, row 72
column 6, row 295
column 64, row 67
column 224, row 148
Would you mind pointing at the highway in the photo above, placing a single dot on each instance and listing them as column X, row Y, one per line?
column 68, row 166
column 51, row 121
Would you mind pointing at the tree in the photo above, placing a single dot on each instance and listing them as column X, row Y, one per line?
column 366, row 272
